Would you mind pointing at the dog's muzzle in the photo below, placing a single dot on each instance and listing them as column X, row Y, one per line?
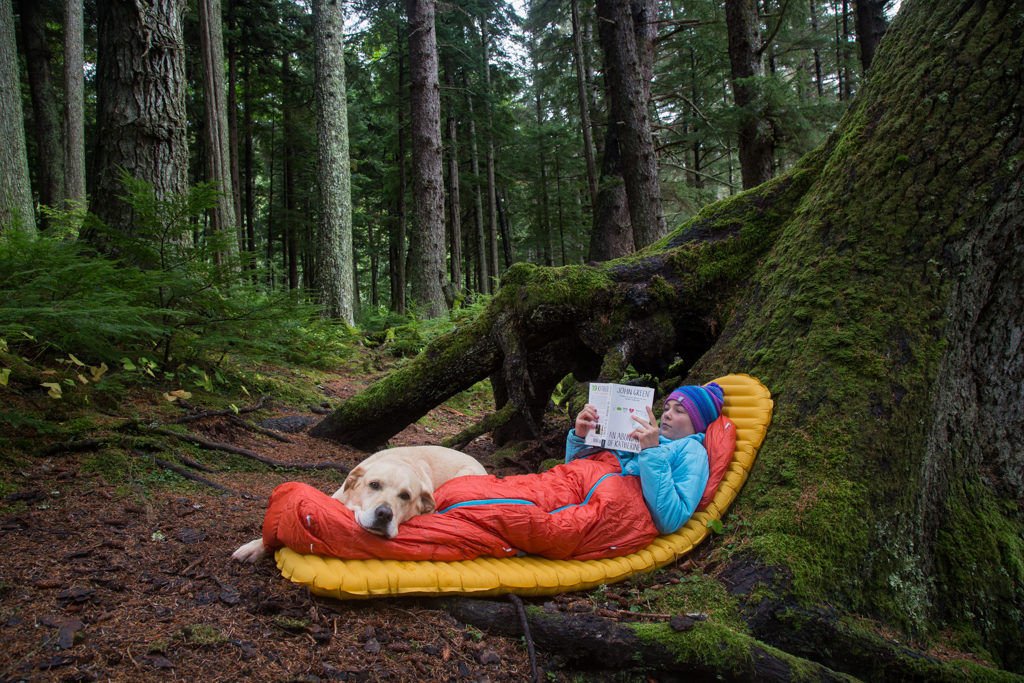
column 382, row 517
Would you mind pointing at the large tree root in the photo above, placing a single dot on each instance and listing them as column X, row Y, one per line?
column 185, row 473
column 706, row 652
column 228, row 448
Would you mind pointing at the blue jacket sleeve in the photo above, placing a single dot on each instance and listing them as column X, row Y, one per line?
column 573, row 445
column 673, row 476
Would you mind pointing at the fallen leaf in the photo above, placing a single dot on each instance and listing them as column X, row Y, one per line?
column 82, row 379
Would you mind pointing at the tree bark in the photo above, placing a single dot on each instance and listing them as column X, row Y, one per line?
column 398, row 265
column 140, row 108
column 426, row 244
column 455, row 207
column 232, row 108
column 581, row 87
column 47, row 117
column 631, row 33
column 483, row 276
column 492, row 189
column 334, row 241
column 817, row 55
column 875, row 289
column 250, row 225
column 871, row 25
column 74, row 101
column 756, row 139
column 15, row 186
column 215, row 125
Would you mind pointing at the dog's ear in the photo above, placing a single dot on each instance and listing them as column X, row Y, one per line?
column 425, row 479
column 427, row 503
column 350, row 483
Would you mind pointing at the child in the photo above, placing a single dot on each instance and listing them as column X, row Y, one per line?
column 673, row 464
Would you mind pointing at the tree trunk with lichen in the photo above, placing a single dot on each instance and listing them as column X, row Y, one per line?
column 876, row 290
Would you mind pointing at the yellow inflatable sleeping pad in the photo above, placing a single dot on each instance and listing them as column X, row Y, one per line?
column 747, row 403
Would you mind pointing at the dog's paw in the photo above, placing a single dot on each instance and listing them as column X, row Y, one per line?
column 253, row 551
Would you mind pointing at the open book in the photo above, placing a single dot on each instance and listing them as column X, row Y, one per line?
column 616, row 405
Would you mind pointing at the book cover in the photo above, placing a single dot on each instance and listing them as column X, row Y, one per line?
column 616, row 405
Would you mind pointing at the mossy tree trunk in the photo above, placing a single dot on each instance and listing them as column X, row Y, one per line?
column 877, row 289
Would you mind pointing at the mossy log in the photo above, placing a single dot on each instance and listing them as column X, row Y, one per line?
column 877, row 289
column 705, row 652
column 713, row 652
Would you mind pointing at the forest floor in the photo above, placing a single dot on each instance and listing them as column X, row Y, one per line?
column 113, row 569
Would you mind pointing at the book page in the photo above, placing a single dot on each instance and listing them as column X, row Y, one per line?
column 625, row 403
column 616, row 405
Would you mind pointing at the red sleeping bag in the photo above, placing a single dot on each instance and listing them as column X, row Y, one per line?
column 582, row 510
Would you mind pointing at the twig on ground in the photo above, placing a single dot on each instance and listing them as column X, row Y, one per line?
column 318, row 410
column 521, row 611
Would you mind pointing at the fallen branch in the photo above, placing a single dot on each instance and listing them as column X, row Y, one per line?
column 217, row 413
column 185, row 473
column 488, row 424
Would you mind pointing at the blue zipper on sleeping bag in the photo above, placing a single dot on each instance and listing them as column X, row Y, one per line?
column 519, row 501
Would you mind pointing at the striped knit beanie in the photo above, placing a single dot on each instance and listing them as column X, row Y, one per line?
column 704, row 404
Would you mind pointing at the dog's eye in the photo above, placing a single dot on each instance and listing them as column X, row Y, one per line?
column 375, row 485
column 404, row 495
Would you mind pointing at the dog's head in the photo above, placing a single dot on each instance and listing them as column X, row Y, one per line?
column 385, row 493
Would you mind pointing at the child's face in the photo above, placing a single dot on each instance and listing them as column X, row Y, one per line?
column 676, row 422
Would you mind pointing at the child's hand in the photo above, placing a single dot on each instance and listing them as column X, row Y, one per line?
column 586, row 420
column 647, row 432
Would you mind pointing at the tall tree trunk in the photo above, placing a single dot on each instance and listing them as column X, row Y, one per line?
column 871, row 25
column 492, row 189
column 455, row 208
column 290, row 223
column 215, row 125
column 426, row 244
column 884, row 317
column 250, row 224
column 817, row 55
column 592, row 91
column 756, row 139
column 544, row 212
column 374, row 266
column 334, row 241
column 45, row 100
column 74, row 100
column 581, row 88
column 506, row 231
column 15, row 186
column 399, row 264
column 270, row 210
column 847, row 80
column 140, row 107
column 630, row 40
column 483, row 276
column 558, row 197
column 236, row 181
